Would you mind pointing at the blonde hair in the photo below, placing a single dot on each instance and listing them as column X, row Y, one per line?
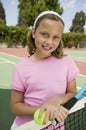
column 30, row 40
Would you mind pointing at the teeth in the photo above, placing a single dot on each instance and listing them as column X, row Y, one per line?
column 46, row 47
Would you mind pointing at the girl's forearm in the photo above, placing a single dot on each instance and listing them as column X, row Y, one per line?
column 61, row 100
column 64, row 98
column 21, row 109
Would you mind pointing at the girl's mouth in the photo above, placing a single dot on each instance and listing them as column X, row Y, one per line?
column 46, row 47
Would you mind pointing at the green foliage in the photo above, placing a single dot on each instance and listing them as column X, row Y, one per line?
column 77, row 40
column 2, row 14
column 78, row 22
column 17, row 36
column 29, row 10
column 3, row 33
column 13, row 36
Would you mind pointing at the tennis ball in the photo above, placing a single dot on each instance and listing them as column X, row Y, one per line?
column 36, row 119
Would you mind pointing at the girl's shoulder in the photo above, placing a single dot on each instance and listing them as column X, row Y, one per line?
column 66, row 58
column 23, row 62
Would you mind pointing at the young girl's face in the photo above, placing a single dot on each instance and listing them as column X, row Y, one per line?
column 47, row 37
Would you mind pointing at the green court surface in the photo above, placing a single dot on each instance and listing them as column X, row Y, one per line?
column 77, row 55
column 81, row 56
column 8, row 62
column 7, row 117
column 7, row 65
column 80, row 81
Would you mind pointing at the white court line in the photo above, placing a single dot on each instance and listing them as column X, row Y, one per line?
column 3, row 62
column 8, row 61
column 81, row 58
column 1, row 58
column 75, row 51
column 22, row 58
column 11, row 55
column 78, row 60
column 78, row 88
column 82, row 75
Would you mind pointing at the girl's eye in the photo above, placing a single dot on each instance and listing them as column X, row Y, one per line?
column 44, row 34
column 56, row 37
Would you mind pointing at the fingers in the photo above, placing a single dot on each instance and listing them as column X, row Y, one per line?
column 46, row 119
column 63, row 112
column 51, row 117
column 59, row 113
column 40, row 113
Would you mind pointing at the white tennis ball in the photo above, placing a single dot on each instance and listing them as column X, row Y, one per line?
column 37, row 120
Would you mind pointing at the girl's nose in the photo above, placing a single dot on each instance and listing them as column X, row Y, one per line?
column 49, row 41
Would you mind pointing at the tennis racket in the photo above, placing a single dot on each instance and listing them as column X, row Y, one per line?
column 71, row 102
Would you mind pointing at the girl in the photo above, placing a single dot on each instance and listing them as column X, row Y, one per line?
column 47, row 78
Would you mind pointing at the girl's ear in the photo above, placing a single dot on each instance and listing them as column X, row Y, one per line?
column 33, row 32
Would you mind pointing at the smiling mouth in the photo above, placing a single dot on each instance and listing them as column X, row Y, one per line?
column 46, row 47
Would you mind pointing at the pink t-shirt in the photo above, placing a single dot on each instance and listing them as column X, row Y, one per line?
column 40, row 80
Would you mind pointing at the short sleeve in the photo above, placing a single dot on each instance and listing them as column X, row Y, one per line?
column 17, row 80
column 73, row 70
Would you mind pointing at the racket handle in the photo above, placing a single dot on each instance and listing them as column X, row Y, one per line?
column 68, row 106
column 70, row 103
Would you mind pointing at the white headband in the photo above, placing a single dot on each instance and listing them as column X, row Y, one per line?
column 47, row 12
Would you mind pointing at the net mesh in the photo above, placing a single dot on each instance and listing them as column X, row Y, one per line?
column 74, row 121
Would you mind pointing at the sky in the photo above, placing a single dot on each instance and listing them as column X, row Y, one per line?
column 70, row 8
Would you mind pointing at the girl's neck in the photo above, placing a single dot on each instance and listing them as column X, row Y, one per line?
column 37, row 57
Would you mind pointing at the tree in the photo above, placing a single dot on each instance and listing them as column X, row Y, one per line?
column 29, row 9
column 78, row 22
column 2, row 14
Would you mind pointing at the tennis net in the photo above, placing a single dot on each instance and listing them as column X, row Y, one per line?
column 76, row 120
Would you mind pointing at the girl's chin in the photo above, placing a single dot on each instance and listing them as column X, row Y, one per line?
column 44, row 54
column 47, row 55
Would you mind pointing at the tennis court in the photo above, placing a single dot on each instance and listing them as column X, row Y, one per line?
column 9, row 57
column 7, row 64
column 79, row 57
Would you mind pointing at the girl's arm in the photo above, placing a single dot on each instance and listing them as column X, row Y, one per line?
column 18, row 107
column 54, row 106
column 70, row 92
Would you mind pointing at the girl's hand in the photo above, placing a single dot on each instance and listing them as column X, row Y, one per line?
column 53, row 111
